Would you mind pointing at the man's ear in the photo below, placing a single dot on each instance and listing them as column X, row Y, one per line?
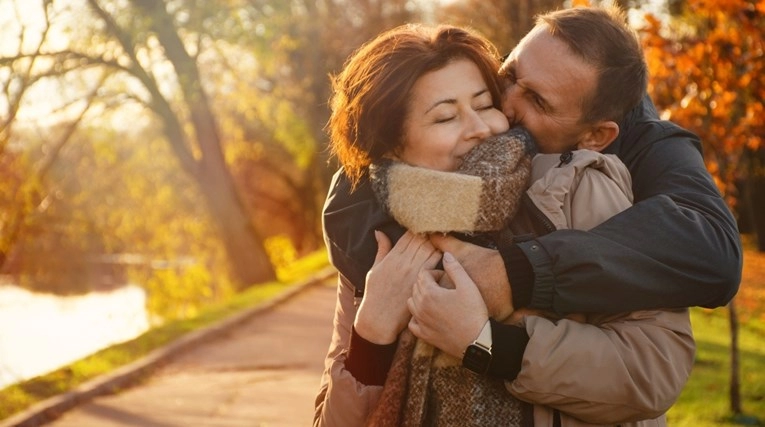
column 600, row 136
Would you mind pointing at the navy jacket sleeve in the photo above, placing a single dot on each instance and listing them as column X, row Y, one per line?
column 349, row 219
column 678, row 246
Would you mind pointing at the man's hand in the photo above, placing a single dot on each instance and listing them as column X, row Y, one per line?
column 449, row 319
column 486, row 268
column 383, row 312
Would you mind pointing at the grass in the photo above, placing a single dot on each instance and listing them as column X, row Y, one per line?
column 705, row 400
column 18, row 397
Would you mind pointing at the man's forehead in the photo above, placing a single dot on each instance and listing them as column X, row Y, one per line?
column 545, row 65
column 523, row 44
column 531, row 38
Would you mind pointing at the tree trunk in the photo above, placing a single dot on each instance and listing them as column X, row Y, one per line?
column 756, row 195
column 735, row 386
column 244, row 246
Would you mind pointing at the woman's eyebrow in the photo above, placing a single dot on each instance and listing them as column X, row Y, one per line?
column 439, row 102
column 453, row 100
column 480, row 92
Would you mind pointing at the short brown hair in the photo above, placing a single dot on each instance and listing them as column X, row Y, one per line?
column 603, row 38
column 371, row 95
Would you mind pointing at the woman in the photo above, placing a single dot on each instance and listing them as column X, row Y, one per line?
column 425, row 97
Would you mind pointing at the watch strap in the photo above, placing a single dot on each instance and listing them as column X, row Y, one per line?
column 484, row 338
column 477, row 356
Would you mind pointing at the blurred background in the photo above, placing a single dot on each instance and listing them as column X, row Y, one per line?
column 157, row 157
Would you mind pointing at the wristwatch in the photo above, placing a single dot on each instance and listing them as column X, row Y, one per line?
column 477, row 356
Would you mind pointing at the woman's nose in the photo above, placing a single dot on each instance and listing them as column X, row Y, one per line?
column 477, row 127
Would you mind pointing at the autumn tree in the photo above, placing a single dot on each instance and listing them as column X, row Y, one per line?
column 27, row 201
column 276, row 118
column 238, row 88
column 501, row 21
column 708, row 75
column 707, row 70
column 140, row 43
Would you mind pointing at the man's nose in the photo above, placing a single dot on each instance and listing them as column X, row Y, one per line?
column 508, row 105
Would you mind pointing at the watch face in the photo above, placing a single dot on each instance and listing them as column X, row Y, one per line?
column 476, row 359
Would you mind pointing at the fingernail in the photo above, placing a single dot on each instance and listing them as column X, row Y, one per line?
column 448, row 257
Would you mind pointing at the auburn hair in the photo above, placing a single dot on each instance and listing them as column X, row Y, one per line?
column 371, row 95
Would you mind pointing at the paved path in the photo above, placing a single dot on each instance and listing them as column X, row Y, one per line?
column 264, row 372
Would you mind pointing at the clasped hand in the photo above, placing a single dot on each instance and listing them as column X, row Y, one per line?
column 403, row 289
column 447, row 318
column 383, row 312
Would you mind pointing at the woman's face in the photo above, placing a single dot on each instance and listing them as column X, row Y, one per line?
column 450, row 112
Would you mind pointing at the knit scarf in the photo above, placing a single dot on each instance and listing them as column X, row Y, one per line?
column 483, row 194
column 426, row 387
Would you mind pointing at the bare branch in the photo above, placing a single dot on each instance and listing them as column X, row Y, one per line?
column 45, row 164
column 173, row 128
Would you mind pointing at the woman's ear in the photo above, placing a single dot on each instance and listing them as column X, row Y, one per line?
column 600, row 136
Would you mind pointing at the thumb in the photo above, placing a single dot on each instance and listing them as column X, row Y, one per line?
column 447, row 243
column 441, row 241
column 455, row 271
column 383, row 246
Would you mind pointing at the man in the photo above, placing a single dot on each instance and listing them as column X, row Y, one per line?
column 577, row 79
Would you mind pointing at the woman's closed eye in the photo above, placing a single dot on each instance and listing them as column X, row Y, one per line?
column 444, row 119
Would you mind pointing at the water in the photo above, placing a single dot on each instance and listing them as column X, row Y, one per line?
column 42, row 332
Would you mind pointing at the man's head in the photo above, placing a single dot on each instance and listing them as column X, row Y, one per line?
column 573, row 78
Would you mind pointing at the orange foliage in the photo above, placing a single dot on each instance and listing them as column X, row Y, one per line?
column 751, row 295
column 708, row 74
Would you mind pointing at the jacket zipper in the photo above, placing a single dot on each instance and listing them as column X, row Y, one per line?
column 537, row 217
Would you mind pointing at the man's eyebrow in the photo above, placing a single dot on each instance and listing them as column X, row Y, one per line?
column 505, row 68
column 533, row 92
column 510, row 67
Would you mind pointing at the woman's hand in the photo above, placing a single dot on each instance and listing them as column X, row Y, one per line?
column 449, row 319
column 486, row 268
column 383, row 312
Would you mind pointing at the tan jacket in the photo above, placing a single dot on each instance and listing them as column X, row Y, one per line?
column 624, row 368
column 630, row 367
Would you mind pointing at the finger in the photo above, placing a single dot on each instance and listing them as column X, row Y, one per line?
column 403, row 242
column 414, row 327
column 446, row 282
column 433, row 259
column 444, row 242
column 383, row 246
column 419, row 284
column 421, row 247
column 420, row 288
column 435, row 274
column 455, row 271
column 410, row 304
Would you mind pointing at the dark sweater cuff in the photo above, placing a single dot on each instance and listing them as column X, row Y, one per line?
column 520, row 273
column 368, row 362
column 508, row 345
